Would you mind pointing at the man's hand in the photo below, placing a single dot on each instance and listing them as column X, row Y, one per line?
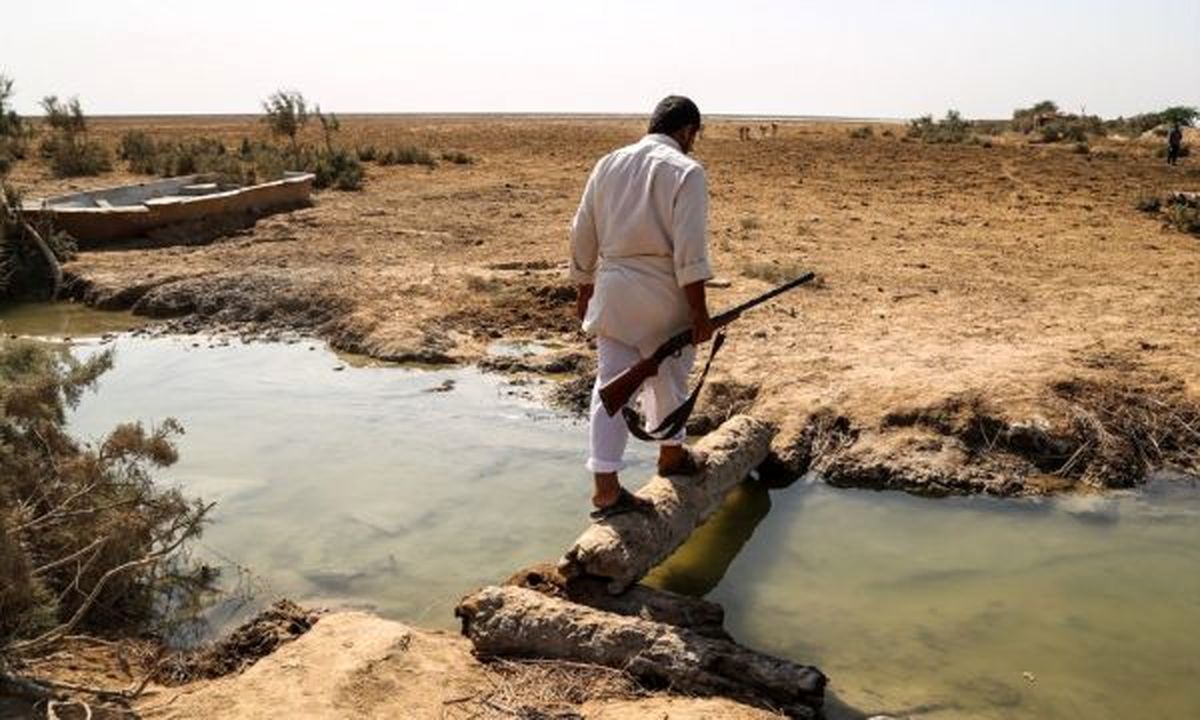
column 702, row 328
column 582, row 297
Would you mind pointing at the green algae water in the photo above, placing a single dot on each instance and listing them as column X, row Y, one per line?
column 399, row 490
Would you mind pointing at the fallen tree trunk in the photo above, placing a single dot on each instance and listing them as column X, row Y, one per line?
column 513, row 621
column 626, row 547
column 696, row 614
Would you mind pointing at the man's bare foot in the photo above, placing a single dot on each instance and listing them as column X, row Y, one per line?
column 608, row 489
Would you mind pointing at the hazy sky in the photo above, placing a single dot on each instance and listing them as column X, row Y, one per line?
column 864, row 58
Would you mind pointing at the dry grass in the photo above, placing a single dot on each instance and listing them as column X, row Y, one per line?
column 543, row 690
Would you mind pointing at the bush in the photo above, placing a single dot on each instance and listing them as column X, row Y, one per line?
column 1184, row 217
column 74, row 156
column 86, row 536
column 457, row 157
column 367, row 153
column 950, row 129
column 139, row 150
column 68, row 149
column 1081, row 148
column 407, row 155
column 338, row 169
column 1149, row 203
column 862, row 133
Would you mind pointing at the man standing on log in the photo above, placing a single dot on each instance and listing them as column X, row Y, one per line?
column 639, row 256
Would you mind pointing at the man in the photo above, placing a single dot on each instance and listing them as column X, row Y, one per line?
column 1174, row 144
column 639, row 256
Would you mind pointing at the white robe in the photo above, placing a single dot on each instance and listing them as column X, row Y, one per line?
column 640, row 235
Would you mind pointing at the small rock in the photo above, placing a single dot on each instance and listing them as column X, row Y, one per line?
column 339, row 368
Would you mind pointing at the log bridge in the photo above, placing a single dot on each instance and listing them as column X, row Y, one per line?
column 588, row 607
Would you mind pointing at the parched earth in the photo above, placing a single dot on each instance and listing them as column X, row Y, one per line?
column 993, row 317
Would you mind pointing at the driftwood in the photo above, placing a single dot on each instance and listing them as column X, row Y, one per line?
column 698, row 615
column 514, row 621
column 626, row 547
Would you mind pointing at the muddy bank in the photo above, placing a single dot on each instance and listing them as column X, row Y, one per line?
column 988, row 319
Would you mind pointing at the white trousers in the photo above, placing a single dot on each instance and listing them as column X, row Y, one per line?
column 659, row 395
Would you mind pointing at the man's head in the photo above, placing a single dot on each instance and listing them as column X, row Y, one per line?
column 678, row 117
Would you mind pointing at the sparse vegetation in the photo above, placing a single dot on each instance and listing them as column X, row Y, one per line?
column 458, row 157
column 862, row 133
column 773, row 271
column 1053, row 125
column 367, row 153
column 950, row 129
column 407, row 155
column 1179, row 210
column 67, row 148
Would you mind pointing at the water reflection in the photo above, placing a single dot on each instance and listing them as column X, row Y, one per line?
column 700, row 563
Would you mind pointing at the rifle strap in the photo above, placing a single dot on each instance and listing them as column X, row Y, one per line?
column 677, row 419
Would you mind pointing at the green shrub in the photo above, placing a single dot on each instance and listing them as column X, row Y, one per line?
column 407, row 155
column 1081, row 148
column 862, row 133
column 457, row 157
column 24, row 271
column 1149, row 203
column 367, row 153
column 950, row 129
column 74, row 156
column 1185, row 218
column 338, row 169
column 139, row 150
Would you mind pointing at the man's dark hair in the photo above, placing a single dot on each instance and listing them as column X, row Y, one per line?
column 674, row 113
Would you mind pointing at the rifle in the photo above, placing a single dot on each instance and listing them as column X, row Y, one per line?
column 620, row 390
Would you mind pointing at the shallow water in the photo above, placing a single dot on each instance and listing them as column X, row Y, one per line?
column 361, row 487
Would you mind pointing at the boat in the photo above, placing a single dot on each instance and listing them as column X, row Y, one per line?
column 97, row 217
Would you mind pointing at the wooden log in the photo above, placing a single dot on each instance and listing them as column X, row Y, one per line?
column 517, row 622
column 696, row 614
column 626, row 547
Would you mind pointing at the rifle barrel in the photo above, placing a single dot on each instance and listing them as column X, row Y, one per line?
column 732, row 314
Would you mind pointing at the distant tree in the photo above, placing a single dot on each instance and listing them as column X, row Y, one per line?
column 1045, row 107
column 1180, row 114
column 66, row 117
column 286, row 114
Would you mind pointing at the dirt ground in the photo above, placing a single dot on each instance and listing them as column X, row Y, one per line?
column 357, row 665
column 993, row 317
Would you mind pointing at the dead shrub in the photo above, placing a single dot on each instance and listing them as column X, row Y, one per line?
column 1122, row 431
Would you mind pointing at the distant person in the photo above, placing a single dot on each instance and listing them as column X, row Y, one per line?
column 1174, row 144
column 639, row 256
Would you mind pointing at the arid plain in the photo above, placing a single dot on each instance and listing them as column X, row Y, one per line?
column 995, row 316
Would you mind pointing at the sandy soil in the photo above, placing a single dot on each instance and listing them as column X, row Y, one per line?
column 997, row 319
column 356, row 665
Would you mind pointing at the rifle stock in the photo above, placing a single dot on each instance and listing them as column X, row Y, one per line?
column 617, row 393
